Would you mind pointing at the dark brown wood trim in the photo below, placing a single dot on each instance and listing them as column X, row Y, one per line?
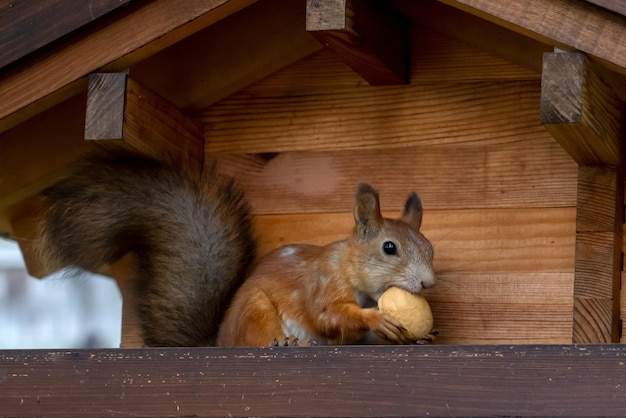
column 29, row 25
column 549, row 380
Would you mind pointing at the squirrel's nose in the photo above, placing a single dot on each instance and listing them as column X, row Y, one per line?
column 429, row 280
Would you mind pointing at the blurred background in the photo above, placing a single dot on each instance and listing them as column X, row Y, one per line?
column 56, row 312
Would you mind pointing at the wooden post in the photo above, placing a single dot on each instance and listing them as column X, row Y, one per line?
column 585, row 117
column 370, row 36
column 597, row 276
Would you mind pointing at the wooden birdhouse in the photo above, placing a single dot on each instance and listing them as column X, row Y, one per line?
column 506, row 116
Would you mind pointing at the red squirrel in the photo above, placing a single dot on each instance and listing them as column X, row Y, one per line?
column 307, row 295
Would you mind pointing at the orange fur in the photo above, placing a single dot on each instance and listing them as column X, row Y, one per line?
column 327, row 294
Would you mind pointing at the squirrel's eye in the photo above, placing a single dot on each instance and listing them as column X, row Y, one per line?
column 390, row 248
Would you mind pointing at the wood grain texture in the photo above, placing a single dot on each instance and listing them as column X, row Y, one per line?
column 435, row 58
column 580, row 110
column 123, row 271
column 115, row 45
column 597, row 282
column 507, row 308
column 596, row 262
column 528, row 380
column 525, row 175
column 370, row 36
column 52, row 20
column 106, row 101
column 576, row 24
column 376, row 117
column 232, row 58
column 466, row 241
column 600, row 200
column 26, row 169
column 119, row 109
column 562, row 79
column 485, row 36
column 593, row 321
column 155, row 127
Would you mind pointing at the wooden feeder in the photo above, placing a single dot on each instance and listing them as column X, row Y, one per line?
column 506, row 116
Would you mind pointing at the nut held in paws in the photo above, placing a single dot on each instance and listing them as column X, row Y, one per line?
column 411, row 310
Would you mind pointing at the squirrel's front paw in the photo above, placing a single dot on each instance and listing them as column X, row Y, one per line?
column 389, row 328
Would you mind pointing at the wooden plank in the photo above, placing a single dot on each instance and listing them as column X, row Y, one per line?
column 480, row 33
column 466, row 241
column 29, row 89
column 439, row 58
column 232, row 58
column 376, row 117
column 598, row 268
column 507, row 308
column 531, row 174
column 370, row 36
column 580, row 110
column 574, row 24
column 52, row 20
column 35, row 154
column 123, row 271
column 600, row 200
column 552, row 380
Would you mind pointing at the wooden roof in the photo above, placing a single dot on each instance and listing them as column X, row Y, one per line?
column 195, row 53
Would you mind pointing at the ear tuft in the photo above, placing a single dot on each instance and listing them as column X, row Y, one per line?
column 367, row 216
column 413, row 211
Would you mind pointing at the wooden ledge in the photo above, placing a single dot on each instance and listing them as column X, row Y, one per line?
column 548, row 380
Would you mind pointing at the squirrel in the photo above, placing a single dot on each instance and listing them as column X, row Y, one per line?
column 191, row 236
column 309, row 295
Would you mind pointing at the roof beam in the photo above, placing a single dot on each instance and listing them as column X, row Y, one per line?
column 371, row 37
column 565, row 23
column 580, row 110
column 119, row 109
column 141, row 30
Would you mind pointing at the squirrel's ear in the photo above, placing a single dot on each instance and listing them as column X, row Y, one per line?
column 367, row 216
column 413, row 211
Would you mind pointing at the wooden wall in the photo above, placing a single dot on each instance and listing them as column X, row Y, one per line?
column 499, row 192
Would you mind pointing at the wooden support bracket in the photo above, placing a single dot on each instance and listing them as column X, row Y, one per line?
column 580, row 110
column 370, row 35
column 121, row 109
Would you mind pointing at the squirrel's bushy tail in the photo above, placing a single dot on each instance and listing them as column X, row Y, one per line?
column 192, row 238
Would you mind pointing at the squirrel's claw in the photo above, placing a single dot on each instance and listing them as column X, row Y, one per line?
column 428, row 338
column 392, row 330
